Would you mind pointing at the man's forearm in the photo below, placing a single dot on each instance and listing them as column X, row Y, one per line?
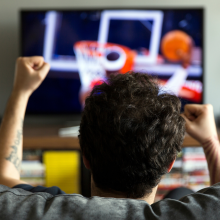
column 29, row 74
column 11, row 136
column 212, row 153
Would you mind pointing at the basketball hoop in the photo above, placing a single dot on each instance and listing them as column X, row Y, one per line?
column 93, row 62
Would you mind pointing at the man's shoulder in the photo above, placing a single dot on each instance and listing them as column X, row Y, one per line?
column 200, row 205
column 21, row 204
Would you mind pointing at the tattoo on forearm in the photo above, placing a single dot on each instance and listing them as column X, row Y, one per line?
column 13, row 157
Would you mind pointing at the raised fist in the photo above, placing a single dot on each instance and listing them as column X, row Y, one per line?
column 200, row 122
column 29, row 74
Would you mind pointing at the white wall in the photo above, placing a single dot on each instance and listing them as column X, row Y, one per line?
column 9, row 36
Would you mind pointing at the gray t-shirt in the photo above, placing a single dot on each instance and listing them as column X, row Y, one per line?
column 20, row 204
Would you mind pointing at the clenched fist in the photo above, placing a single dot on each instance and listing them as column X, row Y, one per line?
column 200, row 122
column 29, row 74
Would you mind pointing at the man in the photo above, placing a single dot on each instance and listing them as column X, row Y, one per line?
column 130, row 134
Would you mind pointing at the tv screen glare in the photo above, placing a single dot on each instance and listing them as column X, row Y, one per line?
column 83, row 47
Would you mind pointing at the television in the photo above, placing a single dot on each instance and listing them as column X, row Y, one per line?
column 85, row 46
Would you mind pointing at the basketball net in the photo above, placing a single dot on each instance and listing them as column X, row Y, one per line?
column 89, row 59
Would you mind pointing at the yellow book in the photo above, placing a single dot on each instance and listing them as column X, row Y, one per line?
column 63, row 170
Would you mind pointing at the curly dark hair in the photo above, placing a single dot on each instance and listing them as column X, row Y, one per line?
column 130, row 133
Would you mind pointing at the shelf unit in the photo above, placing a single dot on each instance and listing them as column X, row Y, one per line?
column 46, row 138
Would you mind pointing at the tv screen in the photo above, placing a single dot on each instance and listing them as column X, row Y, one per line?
column 84, row 47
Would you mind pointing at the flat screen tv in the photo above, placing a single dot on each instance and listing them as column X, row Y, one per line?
column 84, row 47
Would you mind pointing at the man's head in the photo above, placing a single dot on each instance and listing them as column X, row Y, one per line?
column 130, row 133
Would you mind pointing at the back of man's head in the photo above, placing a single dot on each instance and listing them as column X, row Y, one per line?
column 130, row 133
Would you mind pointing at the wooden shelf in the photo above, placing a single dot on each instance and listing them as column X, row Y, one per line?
column 190, row 142
column 51, row 143
column 47, row 138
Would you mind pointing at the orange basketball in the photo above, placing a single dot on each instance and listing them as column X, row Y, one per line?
column 175, row 41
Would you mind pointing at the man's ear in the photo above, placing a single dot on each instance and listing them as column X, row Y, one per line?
column 86, row 162
column 171, row 166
